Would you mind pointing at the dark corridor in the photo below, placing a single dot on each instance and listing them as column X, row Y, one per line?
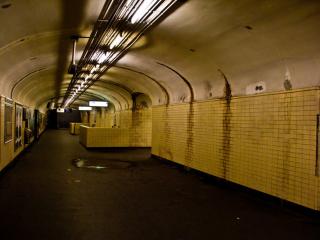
column 44, row 196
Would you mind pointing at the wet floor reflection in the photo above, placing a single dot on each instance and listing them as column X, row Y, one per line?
column 101, row 164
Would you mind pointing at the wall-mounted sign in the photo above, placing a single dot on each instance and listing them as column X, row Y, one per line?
column 98, row 104
column 255, row 88
column 60, row 110
column 85, row 108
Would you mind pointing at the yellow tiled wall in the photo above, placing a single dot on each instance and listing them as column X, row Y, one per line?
column 265, row 142
column 99, row 118
column 104, row 118
column 141, row 127
column 6, row 149
column 75, row 127
column 104, row 137
column 92, row 118
column 135, row 130
column 83, row 136
column 84, row 117
column 123, row 118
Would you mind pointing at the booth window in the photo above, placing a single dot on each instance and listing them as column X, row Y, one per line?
column 8, row 122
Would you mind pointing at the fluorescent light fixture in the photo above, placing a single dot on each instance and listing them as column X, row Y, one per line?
column 103, row 57
column 100, row 53
column 98, row 104
column 116, row 41
column 144, row 7
column 84, row 108
column 69, row 100
column 112, row 57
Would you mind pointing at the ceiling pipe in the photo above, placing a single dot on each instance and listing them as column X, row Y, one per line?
column 119, row 26
column 73, row 66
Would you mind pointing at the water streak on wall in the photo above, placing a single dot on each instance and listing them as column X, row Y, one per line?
column 270, row 139
column 226, row 129
column 190, row 124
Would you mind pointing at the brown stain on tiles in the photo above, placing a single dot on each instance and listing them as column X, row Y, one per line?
column 226, row 124
column 285, row 114
column 165, row 150
column 190, row 138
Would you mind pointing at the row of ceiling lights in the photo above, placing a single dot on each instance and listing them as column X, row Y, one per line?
column 119, row 26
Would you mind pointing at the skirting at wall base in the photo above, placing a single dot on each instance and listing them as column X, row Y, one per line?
column 220, row 182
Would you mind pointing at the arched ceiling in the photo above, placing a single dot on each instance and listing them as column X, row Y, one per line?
column 187, row 54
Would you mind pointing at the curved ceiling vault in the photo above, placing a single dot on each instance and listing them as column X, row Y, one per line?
column 187, row 56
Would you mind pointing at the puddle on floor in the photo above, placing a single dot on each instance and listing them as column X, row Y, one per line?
column 100, row 164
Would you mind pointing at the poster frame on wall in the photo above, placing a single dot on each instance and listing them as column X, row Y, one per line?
column 18, row 126
column 8, row 120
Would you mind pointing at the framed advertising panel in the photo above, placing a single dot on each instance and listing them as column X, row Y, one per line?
column 8, row 110
column 18, row 126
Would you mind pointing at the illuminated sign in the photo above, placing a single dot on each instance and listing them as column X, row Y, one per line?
column 60, row 110
column 98, row 104
column 85, row 108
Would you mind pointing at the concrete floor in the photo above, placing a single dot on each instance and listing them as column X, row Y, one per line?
column 43, row 196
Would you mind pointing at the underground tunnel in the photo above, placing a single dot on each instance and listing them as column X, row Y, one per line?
column 159, row 119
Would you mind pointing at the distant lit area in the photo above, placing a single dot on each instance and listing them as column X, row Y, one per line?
column 85, row 108
column 98, row 104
